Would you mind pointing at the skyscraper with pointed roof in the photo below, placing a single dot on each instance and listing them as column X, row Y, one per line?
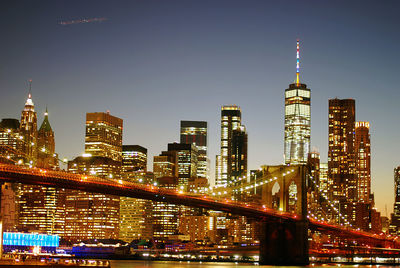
column 46, row 145
column 297, row 119
column 28, row 128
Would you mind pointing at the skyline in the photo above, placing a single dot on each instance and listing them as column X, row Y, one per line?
column 187, row 72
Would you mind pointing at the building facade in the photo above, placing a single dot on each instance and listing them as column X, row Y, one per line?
column 92, row 215
column 195, row 132
column 341, row 151
column 297, row 120
column 135, row 214
column 28, row 130
column 231, row 118
column 395, row 219
column 104, row 135
column 363, row 161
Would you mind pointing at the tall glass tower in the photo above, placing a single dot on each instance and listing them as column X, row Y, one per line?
column 297, row 120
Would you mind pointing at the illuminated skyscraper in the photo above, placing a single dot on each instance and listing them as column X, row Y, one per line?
column 297, row 120
column 341, row 151
column 28, row 128
column 187, row 161
column 363, row 161
column 135, row 214
column 88, row 215
column 103, row 135
column 239, row 155
column 195, row 132
column 165, row 215
column 231, row 117
column 46, row 145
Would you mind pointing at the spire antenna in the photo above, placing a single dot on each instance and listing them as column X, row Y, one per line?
column 298, row 63
column 30, row 88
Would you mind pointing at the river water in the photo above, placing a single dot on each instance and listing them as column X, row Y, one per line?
column 186, row 264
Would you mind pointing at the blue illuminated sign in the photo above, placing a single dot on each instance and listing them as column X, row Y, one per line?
column 22, row 239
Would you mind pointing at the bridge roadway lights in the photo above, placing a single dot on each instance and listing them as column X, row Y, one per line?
column 284, row 243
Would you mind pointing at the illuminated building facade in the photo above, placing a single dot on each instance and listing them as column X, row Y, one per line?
column 104, row 135
column 28, row 128
column 47, row 157
column 363, row 161
column 341, row 151
column 195, row 132
column 134, row 159
column 187, row 161
column 395, row 221
column 239, row 155
column 231, row 117
column 297, row 120
column 165, row 165
column 135, row 214
column 10, row 136
column 41, row 209
column 92, row 215
column 165, row 215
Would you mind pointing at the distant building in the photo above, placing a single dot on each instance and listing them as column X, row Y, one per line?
column 28, row 128
column 11, row 141
column 165, row 215
column 231, row 118
column 239, row 155
column 363, row 161
column 187, row 161
column 92, row 215
column 395, row 220
column 104, row 135
column 135, row 214
column 195, row 132
column 165, row 165
column 297, row 120
column 341, row 151
column 47, row 157
column 134, row 159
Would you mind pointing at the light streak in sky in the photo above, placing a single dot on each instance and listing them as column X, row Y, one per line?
column 79, row 21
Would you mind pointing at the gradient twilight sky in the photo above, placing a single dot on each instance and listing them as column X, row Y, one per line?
column 154, row 63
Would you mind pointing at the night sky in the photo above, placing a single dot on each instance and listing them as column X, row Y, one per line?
column 154, row 63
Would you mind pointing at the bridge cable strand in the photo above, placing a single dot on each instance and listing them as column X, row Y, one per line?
column 335, row 209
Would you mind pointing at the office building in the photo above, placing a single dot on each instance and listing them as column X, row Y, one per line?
column 104, row 135
column 165, row 215
column 134, row 159
column 297, row 120
column 28, row 129
column 195, row 132
column 11, row 149
column 92, row 215
column 230, row 120
column 363, row 161
column 165, row 165
column 135, row 214
column 88, row 215
column 239, row 156
column 47, row 157
column 187, row 161
column 341, row 151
